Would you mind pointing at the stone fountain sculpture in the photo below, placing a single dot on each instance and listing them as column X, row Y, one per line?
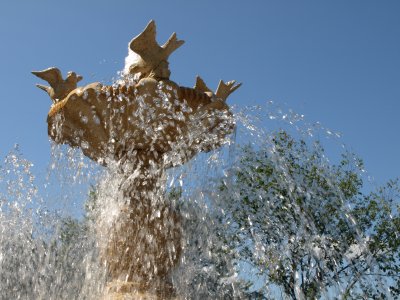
column 144, row 124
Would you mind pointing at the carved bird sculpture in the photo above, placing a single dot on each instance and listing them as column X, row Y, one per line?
column 153, row 57
column 59, row 88
column 222, row 92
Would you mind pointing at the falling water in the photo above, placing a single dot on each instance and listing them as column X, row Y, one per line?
column 50, row 241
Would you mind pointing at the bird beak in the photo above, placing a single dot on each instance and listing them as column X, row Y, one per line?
column 78, row 78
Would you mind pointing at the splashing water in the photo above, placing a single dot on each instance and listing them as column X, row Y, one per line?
column 253, row 223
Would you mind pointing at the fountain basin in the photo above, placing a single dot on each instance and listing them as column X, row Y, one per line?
column 112, row 122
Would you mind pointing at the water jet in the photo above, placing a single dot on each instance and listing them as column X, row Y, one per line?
column 140, row 126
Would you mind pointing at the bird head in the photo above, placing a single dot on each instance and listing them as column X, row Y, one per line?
column 73, row 77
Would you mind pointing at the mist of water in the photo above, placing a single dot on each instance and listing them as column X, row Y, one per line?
column 50, row 247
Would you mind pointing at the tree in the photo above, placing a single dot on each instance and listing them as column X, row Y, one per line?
column 307, row 226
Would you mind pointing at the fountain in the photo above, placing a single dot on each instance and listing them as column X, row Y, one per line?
column 139, row 127
column 265, row 214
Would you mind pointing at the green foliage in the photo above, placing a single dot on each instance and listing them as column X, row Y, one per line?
column 72, row 230
column 306, row 225
column 303, row 223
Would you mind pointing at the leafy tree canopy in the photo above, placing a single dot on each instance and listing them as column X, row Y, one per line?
column 308, row 228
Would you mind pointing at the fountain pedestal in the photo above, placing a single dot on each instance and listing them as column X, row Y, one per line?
column 144, row 243
column 144, row 124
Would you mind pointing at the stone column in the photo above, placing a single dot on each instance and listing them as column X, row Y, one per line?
column 145, row 240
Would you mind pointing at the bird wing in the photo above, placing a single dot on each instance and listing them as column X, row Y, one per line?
column 201, row 86
column 51, row 75
column 225, row 89
column 145, row 43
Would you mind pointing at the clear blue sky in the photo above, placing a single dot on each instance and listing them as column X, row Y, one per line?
column 337, row 62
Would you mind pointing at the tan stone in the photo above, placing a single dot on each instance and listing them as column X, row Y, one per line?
column 140, row 122
column 59, row 88
column 154, row 58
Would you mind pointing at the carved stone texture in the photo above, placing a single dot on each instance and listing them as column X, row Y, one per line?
column 145, row 123
column 59, row 88
column 114, row 122
column 153, row 57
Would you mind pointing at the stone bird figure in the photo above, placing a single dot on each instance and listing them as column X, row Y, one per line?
column 59, row 88
column 153, row 60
